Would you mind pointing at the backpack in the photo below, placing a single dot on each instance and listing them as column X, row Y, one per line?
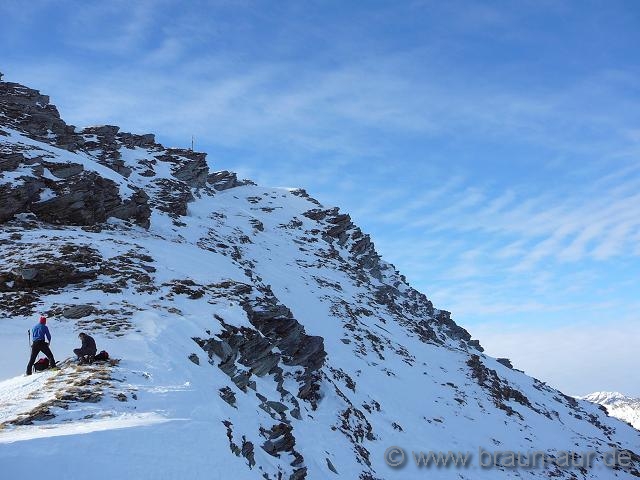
column 41, row 364
column 101, row 357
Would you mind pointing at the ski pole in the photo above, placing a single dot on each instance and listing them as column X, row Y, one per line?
column 29, row 333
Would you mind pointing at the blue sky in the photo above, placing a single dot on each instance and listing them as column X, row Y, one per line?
column 491, row 149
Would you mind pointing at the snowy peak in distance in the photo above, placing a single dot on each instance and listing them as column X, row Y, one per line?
column 607, row 398
column 254, row 332
column 618, row 405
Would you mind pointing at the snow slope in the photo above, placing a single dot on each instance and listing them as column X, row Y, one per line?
column 255, row 333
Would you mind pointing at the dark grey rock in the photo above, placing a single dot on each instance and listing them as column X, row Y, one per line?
column 228, row 396
column 248, row 452
column 331, row 467
column 279, row 439
column 29, row 111
column 277, row 406
column 188, row 166
column 505, row 361
column 224, row 180
column 50, row 275
column 63, row 170
column 131, row 140
column 171, row 196
column 78, row 311
column 88, row 199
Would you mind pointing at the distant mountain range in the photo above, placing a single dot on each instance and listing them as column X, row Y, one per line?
column 618, row 405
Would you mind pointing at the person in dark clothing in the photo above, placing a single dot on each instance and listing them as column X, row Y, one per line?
column 38, row 334
column 88, row 349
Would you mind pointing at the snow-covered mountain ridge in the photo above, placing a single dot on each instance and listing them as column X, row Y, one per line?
column 258, row 332
column 618, row 405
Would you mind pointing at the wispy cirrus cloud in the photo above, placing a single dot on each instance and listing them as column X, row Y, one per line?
column 320, row 110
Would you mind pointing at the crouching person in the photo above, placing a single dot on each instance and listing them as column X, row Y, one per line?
column 88, row 349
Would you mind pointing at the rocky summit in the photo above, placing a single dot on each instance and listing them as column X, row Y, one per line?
column 253, row 332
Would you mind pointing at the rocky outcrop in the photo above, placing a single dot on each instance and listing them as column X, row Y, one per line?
column 224, row 180
column 171, row 196
column 506, row 362
column 131, row 140
column 106, row 141
column 73, row 197
column 16, row 198
column 88, row 199
column 78, row 311
column 101, row 141
column 411, row 308
column 276, row 323
column 28, row 110
column 53, row 267
column 50, row 275
column 189, row 166
column 242, row 352
column 500, row 390
column 77, row 197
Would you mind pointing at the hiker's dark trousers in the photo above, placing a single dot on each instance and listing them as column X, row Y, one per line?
column 37, row 347
column 82, row 352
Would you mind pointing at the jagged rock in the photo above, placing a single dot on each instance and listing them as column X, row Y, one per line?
column 299, row 474
column 224, row 180
column 277, row 337
column 63, row 170
column 247, row 452
column 92, row 199
column 505, row 361
column 279, row 439
column 10, row 161
column 251, row 349
column 131, row 140
column 301, row 192
column 189, row 166
column 80, row 198
column 455, row 331
column 30, row 111
column 173, row 197
column 16, row 198
column 275, row 322
column 43, row 275
column 78, row 311
column 228, row 396
column 107, row 131
column 102, row 143
column 499, row 390
column 194, row 358
column 276, row 406
column 219, row 348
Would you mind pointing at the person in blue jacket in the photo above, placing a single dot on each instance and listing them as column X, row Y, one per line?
column 38, row 334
